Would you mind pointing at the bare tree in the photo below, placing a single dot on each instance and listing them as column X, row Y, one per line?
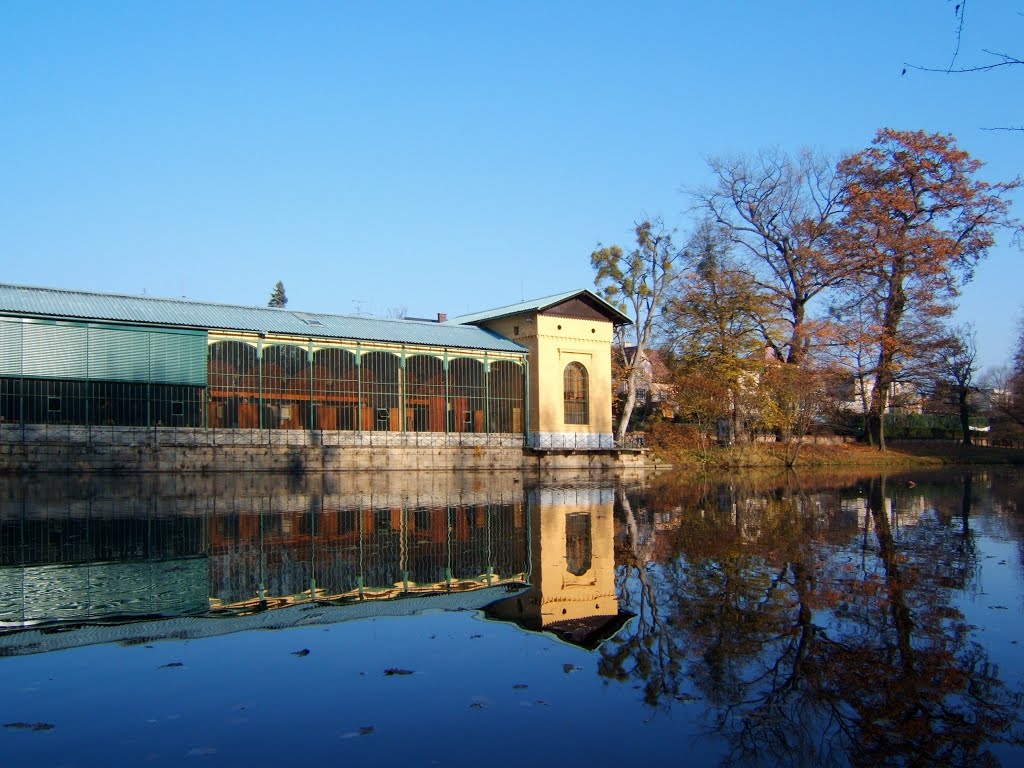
column 956, row 365
column 636, row 282
column 780, row 212
column 995, row 59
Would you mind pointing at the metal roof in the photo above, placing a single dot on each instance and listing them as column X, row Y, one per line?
column 539, row 305
column 186, row 313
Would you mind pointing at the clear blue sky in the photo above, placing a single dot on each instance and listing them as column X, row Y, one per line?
column 445, row 156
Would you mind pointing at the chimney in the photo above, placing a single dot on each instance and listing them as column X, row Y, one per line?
column 442, row 317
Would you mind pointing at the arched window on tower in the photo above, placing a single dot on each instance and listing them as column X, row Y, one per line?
column 577, row 400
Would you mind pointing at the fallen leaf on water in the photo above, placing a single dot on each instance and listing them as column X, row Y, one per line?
column 567, row 668
column 303, row 652
column 31, row 726
column 172, row 664
column 397, row 671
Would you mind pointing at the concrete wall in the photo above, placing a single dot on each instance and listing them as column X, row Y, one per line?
column 73, row 450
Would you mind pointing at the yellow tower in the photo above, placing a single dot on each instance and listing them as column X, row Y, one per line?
column 569, row 337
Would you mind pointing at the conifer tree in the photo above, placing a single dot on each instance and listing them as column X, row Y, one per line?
column 277, row 297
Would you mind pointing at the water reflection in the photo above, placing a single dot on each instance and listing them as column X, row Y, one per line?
column 844, row 621
column 820, row 626
column 110, row 549
column 573, row 592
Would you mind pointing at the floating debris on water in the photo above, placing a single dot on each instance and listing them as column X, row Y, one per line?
column 31, row 726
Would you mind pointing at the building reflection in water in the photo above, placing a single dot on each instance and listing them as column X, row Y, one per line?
column 572, row 591
column 109, row 549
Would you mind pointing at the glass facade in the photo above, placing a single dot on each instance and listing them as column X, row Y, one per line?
column 92, row 374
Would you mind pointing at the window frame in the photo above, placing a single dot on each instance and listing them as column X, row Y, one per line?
column 576, row 394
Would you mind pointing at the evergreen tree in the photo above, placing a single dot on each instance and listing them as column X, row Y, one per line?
column 277, row 297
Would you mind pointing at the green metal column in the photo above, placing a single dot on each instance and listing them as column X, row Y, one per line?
column 402, row 421
column 360, row 579
column 447, row 396
column 87, row 374
column 259, row 383
column 21, row 379
column 526, row 403
column 487, row 394
column 359, row 402
column 312, row 419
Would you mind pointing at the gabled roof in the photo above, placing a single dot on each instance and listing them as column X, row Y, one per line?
column 185, row 313
column 542, row 304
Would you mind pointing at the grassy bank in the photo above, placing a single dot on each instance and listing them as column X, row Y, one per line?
column 907, row 454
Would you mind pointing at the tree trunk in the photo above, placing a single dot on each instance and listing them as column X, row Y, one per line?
column 902, row 618
column 965, row 413
column 876, row 413
column 795, row 354
column 627, row 408
column 885, row 371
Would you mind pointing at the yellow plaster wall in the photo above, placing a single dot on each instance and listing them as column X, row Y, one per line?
column 563, row 340
column 554, row 342
column 563, row 595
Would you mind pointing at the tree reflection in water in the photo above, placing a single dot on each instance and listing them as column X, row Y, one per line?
column 819, row 628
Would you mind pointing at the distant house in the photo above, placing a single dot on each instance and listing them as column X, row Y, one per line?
column 653, row 392
column 855, row 395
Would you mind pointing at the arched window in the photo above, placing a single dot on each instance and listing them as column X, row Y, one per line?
column 579, row 544
column 577, row 401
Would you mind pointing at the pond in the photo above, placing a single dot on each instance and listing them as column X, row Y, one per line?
column 470, row 619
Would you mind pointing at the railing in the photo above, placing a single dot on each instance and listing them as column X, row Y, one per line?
column 1005, row 443
column 570, row 441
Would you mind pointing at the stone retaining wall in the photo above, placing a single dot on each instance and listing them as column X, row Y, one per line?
column 73, row 450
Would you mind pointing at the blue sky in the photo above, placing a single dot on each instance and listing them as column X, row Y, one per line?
column 446, row 156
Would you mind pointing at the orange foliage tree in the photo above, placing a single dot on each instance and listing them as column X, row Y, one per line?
column 917, row 220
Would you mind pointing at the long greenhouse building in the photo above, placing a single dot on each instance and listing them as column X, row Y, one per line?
column 537, row 369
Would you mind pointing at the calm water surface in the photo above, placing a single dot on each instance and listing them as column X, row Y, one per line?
column 443, row 620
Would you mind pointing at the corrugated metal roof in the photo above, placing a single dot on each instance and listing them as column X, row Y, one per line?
column 185, row 313
column 538, row 305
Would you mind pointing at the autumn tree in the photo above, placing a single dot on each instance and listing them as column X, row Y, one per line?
column 277, row 297
column 636, row 282
column 916, row 222
column 714, row 322
column 780, row 212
